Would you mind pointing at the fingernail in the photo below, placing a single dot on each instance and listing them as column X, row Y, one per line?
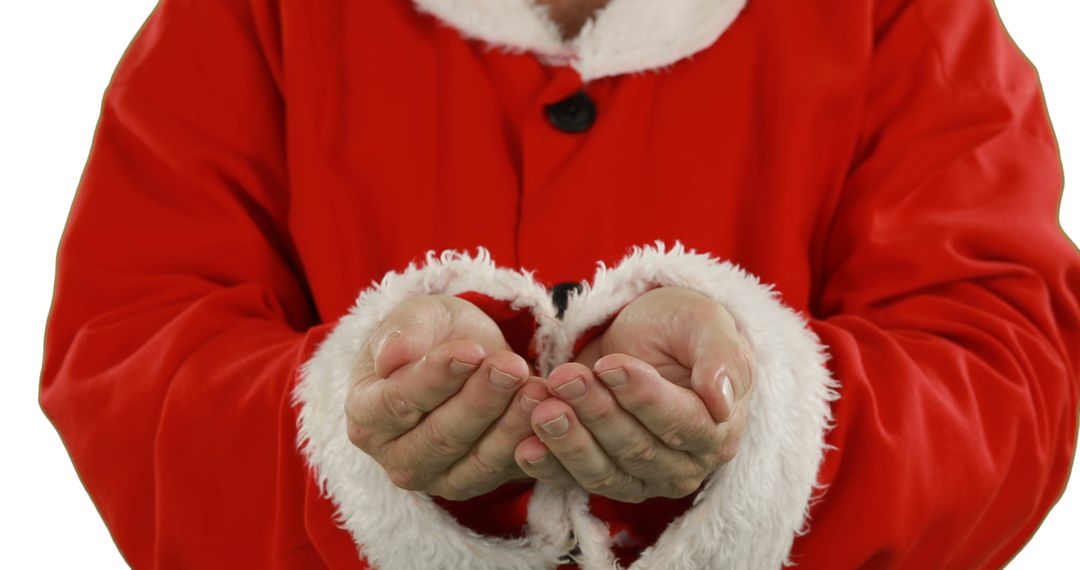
column 614, row 378
column 382, row 343
column 572, row 390
column 502, row 379
column 556, row 427
column 459, row 367
column 728, row 393
column 527, row 404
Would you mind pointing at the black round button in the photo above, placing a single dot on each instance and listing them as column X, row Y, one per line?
column 575, row 114
column 560, row 295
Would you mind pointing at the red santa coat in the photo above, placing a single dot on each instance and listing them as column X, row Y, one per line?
column 886, row 167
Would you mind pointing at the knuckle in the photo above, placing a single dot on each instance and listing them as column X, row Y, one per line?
column 484, row 469
column 360, row 436
column 637, row 455
column 603, row 414
column 441, row 441
column 722, row 450
column 646, row 399
column 482, row 404
column 574, row 453
column 400, row 409
column 608, row 484
column 688, row 428
column 404, row 479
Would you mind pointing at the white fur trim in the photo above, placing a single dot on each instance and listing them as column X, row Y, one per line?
column 623, row 37
column 750, row 510
column 405, row 529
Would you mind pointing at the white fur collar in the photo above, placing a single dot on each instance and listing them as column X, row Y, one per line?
column 625, row 36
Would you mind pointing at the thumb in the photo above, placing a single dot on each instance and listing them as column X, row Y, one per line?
column 720, row 367
column 713, row 384
column 406, row 334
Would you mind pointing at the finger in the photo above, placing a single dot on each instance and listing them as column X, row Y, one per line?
column 713, row 384
column 453, row 428
column 491, row 461
column 561, row 432
column 534, row 459
column 676, row 415
column 387, row 408
column 722, row 373
column 437, row 375
column 622, row 436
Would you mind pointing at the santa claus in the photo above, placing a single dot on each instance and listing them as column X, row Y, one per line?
column 711, row 284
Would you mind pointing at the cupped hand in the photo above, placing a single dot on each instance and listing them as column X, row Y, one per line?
column 651, row 408
column 440, row 401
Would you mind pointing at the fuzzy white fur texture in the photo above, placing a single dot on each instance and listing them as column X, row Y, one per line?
column 750, row 510
column 396, row 528
column 625, row 36
column 746, row 515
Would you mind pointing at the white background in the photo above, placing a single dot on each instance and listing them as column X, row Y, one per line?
column 56, row 57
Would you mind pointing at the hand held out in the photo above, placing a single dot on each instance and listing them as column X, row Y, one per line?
column 650, row 408
column 440, row 401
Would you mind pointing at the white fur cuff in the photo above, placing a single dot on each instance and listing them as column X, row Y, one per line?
column 747, row 514
column 393, row 527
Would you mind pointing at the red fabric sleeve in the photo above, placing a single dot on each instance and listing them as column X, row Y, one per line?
column 179, row 317
column 949, row 302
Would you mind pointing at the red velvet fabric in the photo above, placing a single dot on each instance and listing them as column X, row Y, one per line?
column 888, row 165
column 517, row 325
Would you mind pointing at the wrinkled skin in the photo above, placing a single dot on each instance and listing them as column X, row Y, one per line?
column 649, row 409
